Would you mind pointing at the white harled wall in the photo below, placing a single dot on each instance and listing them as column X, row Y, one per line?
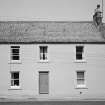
column 62, row 67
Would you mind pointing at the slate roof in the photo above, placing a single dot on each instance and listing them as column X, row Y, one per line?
column 50, row 31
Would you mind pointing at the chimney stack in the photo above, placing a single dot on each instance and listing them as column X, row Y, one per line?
column 97, row 17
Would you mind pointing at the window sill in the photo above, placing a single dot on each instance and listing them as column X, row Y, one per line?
column 15, row 88
column 80, row 61
column 15, row 62
column 43, row 61
column 81, row 87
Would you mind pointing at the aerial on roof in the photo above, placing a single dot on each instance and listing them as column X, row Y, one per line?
column 50, row 31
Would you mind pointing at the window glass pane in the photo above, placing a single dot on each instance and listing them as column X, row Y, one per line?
column 80, row 75
column 16, row 82
column 15, row 51
column 45, row 49
column 15, row 57
column 41, row 49
column 78, row 56
column 80, row 82
column 12, row 75
column 16, row 75
column 41, row 56
column 44, row 56
column 79, row 48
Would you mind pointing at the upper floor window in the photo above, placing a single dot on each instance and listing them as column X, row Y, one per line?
column 15, row 52
column 79, row 52
column 43, row 52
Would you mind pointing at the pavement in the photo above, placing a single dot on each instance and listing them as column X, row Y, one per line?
column 33, row 99
column 54, row 103
column 46, row 101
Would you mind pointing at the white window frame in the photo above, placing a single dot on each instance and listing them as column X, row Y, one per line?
column 84, row 79
column 11, row 54
column 11, row 79
column 43, row 60
column 83, row 54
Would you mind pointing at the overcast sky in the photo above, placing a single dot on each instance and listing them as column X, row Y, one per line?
column 66, row 10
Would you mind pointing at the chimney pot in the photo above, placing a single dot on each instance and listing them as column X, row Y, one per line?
column 97, row 17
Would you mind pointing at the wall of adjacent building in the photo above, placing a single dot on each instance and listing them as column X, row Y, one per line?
column 62, row 67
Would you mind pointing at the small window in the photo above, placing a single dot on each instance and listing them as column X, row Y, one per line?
column 15, row 79
column 15, row 53
column 43, row 53
column 80, row 78
column 79, row 52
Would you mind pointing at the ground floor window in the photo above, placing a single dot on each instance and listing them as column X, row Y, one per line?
column 80, row 78
column 15, row 79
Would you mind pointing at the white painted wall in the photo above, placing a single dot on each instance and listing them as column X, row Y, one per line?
column 62, row 68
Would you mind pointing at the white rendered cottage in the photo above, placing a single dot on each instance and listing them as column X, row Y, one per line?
column 52, row 59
